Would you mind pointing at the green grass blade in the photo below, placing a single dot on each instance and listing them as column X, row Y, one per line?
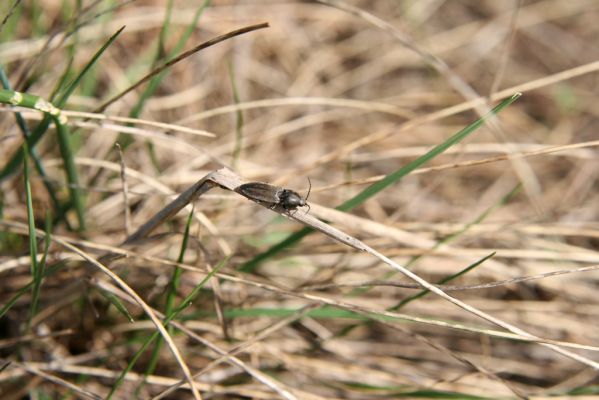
column 380, row 185
column 53, row 114
column 117, row 304
column 35, row 272
column 155, row 81
column 238, row 118
column 182, row 306
column 171, row 294
column 68, row 159
column 64, row 96
column 34, row 156
column 449, row 278
column 17, row 159
column 276, row 249
column 176, row 278
column 393, row 178
column 504, row 200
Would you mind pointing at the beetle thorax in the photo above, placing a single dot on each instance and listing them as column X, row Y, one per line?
column 290, row 199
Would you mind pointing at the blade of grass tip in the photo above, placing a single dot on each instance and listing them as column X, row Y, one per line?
column 182, row 306
column 156, row 80
column 64, row 77
column 481, row 217
column 32, row 238
column 74, row 42
column 180, row 57
column 21, row 291
column 64, row 138
column 449, row 278
column 17, row 159
column 380, row 185
column 125, row 139
column 504, row 200
column 171, row 294
column 117, row 304
column 35, row 157
column 238, row 117
column 62, row 99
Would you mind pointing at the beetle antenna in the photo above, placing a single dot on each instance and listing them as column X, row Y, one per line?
column 308, row 195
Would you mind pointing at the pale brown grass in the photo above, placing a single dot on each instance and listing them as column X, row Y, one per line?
column 326, row 94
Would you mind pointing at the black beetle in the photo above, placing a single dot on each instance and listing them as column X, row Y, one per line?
column 273, row 196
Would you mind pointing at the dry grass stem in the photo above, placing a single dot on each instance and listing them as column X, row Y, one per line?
column 471, row 273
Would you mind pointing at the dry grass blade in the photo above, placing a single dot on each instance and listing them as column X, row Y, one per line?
column 455, row 80
column 95, row 263
column 451, row 288
column 479, row 313
column 115, row 253
column 66, row 384
column 230, row 357
column 180, row 57
column 225, row 178
column 125, row 187
column 137, row 122
column 337, row 93
column 525, row 172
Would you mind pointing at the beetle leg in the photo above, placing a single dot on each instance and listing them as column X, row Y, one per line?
column 308, row 210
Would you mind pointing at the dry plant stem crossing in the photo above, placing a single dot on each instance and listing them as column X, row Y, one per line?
column 49, row 377
column 229, row 356
column 144, row 306
column 344, row 238
column 521, row 167
column 118, row 253
column 223, row 178
column 125, row 292
column 180, row 57
column 22, row 229
column 479, row 313
column 226, row 179
column 241, row 347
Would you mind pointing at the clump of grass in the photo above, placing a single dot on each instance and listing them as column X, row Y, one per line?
column 364, row 100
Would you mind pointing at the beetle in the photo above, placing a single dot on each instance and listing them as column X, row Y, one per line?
column 273, row 196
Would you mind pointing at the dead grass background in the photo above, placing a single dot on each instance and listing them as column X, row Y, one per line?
column 324, row 94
